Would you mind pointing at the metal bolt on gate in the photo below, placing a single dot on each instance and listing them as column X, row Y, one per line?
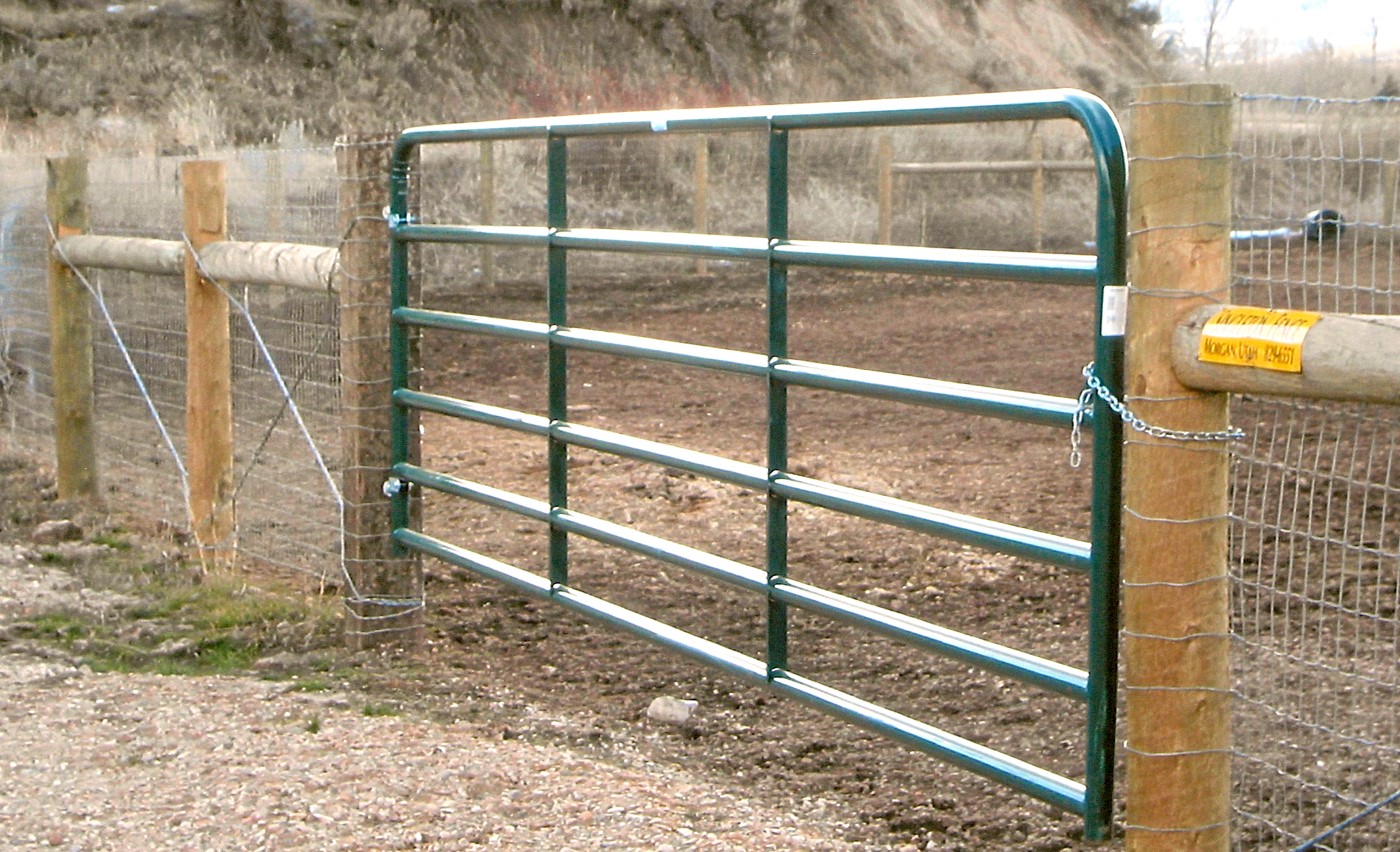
column 1098, row 557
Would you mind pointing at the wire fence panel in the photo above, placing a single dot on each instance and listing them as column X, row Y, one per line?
column 285, row 349
column 1316, row 501
column 288, row 513
column 26, row 410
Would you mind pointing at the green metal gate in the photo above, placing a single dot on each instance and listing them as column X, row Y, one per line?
column 1098, row 557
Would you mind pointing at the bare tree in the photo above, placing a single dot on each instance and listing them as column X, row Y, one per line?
column 1375, row 37
column 1256, row 46
column 1215, row 11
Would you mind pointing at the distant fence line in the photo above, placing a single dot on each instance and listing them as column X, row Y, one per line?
column 1037, row 167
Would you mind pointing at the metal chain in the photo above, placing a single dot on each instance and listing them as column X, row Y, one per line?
column 1093, row 387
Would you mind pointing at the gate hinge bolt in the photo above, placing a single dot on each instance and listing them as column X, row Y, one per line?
column 393, row 487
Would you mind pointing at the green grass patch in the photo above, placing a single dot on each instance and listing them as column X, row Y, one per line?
column 216, row 626
column 222, row 656
column 226, row 604
column 167, row 603
column 313, row 684
column 112, row 539
column 221, row 608
column 375, row 709
column 61, row 626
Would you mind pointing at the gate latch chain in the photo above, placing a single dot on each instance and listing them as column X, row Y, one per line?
column 1093, row 387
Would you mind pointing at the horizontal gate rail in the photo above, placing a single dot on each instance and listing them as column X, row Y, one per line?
column 1098, row 557
column 951, row 396
column 966, row 529
column 1046, row 105
column 860, row 257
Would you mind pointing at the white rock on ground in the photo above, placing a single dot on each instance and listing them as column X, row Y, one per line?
column 673, row 711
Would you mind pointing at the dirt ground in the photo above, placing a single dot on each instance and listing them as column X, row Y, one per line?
column 1027, row 337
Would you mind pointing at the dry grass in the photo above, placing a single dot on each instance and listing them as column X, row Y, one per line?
column 1315, row 73
column 139, row 75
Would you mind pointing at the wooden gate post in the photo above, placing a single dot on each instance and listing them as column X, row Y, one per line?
column 385, row 583
column 70, row 337
column 209, row 368
column 1175, row 525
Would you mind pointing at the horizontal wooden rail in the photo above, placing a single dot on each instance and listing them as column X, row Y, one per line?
column 1346, row 358
column 992, row 166
column 266, row 263
column 135, row 254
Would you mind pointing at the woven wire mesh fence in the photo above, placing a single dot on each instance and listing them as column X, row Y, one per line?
column 1315, row 562
column 25, row 418
column 288, row 513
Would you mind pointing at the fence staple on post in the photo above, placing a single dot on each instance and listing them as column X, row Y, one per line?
column 384, row 594
column 70, row 337
column 1175, row 525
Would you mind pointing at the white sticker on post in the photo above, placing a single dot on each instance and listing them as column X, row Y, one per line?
column 1115, row 312
column 659, row 123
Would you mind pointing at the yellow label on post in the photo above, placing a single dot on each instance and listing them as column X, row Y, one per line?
column 1257, row 337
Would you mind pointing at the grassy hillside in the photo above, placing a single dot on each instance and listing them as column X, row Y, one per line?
column 186, row 73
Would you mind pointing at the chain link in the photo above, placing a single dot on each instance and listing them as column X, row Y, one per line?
column 1093, row 387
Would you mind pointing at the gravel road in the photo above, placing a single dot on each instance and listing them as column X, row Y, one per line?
column 124, row 762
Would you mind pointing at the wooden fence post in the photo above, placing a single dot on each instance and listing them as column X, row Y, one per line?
column 385, row 591
column 885, row 167
column 1175, row 525
column 70, row 337
column 488, row 208
column 702, row 196
column 209, row 370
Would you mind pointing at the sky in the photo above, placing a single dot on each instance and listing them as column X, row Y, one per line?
column 1346, row 24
